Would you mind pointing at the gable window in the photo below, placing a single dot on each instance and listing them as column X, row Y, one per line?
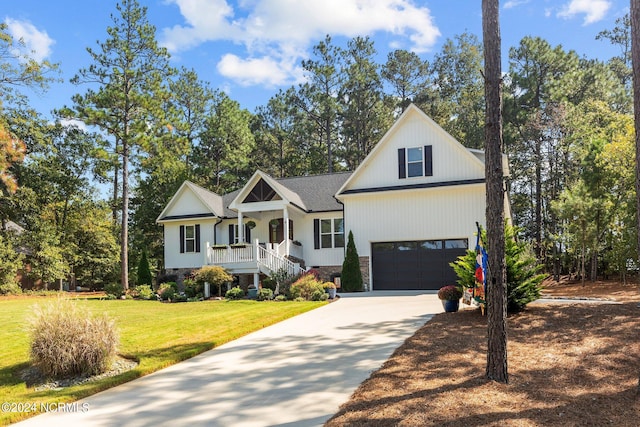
column 415, row 161
column 261, row 192
column 329, row 233
column 189, row 238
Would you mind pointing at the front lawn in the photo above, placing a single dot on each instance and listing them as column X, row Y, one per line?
column 155, row 334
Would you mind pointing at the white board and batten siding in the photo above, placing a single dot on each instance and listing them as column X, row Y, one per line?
column 426, row 214
column 172, row 256
column 451, row 161
column 187, row 203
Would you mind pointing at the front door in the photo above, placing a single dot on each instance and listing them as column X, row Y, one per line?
column 276, row 231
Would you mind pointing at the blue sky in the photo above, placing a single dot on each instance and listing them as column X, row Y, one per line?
column 252, row 48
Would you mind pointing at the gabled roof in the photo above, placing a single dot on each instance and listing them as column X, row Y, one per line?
column 212, row 202
column 317, row 191
column 313, row 193
column 473, row 159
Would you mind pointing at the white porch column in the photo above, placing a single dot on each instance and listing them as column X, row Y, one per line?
column 256, row 280
column 206, row 254
column 240, row 228
column 285, row 216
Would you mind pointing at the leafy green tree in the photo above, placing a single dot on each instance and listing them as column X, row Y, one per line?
column 10, row 262
column 456, row 99
column 144, row 272
column 597, row 205
column 19, row 70
column 192, row 98
column 351, row 276
column 90, row 244
column 214, row 275
column 620, row 35
column 318, row 97
column 129, row 74
column 536, row 72
column 408, row 74
column 221, row 160
column 365, row 115
column 47, row 259
column 281, row 145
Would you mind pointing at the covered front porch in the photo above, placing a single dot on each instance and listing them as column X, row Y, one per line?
column 255, row 258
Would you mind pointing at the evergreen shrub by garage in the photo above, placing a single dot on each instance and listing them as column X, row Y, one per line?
column 351, row 277
column 524, row 279
column 67, row 340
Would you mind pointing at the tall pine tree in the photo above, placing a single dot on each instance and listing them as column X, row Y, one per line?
column 128, row 74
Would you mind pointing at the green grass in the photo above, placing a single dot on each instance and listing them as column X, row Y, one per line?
column 156, row 335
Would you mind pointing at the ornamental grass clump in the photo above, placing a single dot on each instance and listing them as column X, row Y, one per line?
column 67, row 340
column 449, row 293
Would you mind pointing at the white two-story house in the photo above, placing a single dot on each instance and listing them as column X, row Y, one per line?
column 412, row 206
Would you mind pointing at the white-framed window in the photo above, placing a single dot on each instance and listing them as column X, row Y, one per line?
column 332, row 233
column 415, row 162
column 189, row 238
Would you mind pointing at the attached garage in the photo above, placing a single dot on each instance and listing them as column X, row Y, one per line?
column 415, row 265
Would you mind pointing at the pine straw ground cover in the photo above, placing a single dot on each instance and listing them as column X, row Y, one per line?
column 570, row 364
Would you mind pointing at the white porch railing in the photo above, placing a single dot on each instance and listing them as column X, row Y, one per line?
column 269, row 257
column 274, row 262
column 230, row 254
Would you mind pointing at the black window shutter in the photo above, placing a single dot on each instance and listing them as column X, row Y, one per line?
column 428, row 161
column 232, row 234
column 402, row 164
column 197, row 237
column 247, row 234
column 182, row 239
column 316, row 233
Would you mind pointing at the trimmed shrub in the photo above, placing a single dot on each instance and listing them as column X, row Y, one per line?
column 143, row 292
column 305, row 287
column 280, row 298
column 319, row 295
column 265, row 294
column 179, row 298
column 167, row 291
column 167, row 278
column 10, row 288
column 68, row 340
column 234, row 293
column 114, row 289
column 193, row 288
column 351, row 276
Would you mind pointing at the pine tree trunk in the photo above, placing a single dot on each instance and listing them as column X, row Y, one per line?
column 124, row 253
column 635, row 60
column 496, row 286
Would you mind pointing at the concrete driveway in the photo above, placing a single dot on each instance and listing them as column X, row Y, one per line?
column 295, row 373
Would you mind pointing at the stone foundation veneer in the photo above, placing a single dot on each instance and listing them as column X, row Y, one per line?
column 327, row 271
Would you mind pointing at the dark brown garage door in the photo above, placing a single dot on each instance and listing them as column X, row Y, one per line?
column 415, row 265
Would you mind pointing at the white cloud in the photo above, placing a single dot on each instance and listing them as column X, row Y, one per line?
column 70, row 123
column 37, row 44
column 514, row 3
column 254, row 71
column 276, row 34
column 594, row 10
